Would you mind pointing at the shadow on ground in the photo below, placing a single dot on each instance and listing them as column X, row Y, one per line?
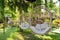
column 13, row 34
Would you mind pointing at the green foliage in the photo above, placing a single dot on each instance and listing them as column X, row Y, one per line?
column 2, row 11
column 12, row 5
column 38, row 2
column 31, row 0
column 25, row 6
column 13, row 34
column 58, row 0
column 51, row 5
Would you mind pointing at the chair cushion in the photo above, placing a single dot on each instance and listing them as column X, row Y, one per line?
column 35, row 30
column 24, row 25
column 38, row 26
column 44, row 25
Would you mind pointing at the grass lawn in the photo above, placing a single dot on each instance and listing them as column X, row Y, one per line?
column 13, row 34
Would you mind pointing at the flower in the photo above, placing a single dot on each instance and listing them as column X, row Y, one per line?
column 56, row 22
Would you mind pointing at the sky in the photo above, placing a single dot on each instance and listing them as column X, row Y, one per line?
column 57, row 4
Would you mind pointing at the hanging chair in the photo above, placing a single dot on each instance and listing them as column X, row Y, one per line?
column 24, row 25
column 41, row 28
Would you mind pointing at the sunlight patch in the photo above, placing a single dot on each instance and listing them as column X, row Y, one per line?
column 17, row 36
column 10, row 39
column 57, row 31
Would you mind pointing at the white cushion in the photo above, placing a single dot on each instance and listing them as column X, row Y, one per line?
column 44, row 25
column 24, row 25
column 38, row 26
column 35, row 30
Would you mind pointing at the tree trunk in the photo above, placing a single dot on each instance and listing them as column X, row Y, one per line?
column 2, row 13
column 59, row 8
column 20, row 13
column 45, row 3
